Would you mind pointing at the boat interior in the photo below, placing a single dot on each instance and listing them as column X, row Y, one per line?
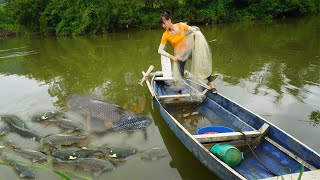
column 263, row 157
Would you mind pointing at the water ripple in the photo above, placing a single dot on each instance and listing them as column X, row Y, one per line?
column 16, row 52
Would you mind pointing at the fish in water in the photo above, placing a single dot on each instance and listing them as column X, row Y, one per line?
column 155, row 153
column 120, row 153
column 19, row 127
column 47, row 116
column 14, row 120
column 97, row 166
column 97, row 109
column 28, row 133
column 68, row 124
column 131, row 123
column 25, row 172
column 57, row 140
column 67, row 154
column 34, row 155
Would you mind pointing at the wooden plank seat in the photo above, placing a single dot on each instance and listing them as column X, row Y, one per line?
column 174, row 96
column 237, row 139
column 205, row 138
column 164, row 78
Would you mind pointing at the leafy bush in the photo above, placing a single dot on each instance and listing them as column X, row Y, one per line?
column 79, row 17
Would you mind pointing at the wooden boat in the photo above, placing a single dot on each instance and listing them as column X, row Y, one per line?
column 269, row 152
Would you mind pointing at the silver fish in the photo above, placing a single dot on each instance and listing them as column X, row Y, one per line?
column 24, row 132
column 34, row 155
column 57, row 140
column 68, row 124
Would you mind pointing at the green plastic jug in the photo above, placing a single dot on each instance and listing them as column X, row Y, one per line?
column 227, row 153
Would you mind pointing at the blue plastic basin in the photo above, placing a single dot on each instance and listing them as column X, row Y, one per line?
column 217, row 129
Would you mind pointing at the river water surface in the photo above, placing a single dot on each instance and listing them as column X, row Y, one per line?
column 270, row 68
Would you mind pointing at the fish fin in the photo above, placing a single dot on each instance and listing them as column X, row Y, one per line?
column 97, row 173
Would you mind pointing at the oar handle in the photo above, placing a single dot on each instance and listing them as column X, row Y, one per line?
column 146, row 74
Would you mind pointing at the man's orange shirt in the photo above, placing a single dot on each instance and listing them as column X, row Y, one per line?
column 178, row 41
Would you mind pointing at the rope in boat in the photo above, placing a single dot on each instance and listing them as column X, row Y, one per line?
column 255, row 155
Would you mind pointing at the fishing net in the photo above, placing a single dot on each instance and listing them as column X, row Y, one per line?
column 194, row 47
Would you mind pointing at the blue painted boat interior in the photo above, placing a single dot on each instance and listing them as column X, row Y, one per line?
column 209, row 112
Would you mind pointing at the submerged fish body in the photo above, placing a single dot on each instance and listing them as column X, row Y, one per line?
column 68, row 124
column 24, row 132
column 47, row 116
column 155, row 153
column 93, row 164
column 100, row 110
column 57, row 140
column 67, row 154
column 34, row 155
column 14, row 120
column 131, row 123
column 117, row 152
column 19, row 127
column 25, row 172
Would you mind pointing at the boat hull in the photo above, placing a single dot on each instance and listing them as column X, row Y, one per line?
column 241, row 119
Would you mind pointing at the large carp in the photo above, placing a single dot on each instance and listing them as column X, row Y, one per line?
column 67, row 154
column 130, row 124
column 115, row 118
column 101, row 110
column 57, row 140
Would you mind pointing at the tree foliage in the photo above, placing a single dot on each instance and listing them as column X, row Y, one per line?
column 79, row 17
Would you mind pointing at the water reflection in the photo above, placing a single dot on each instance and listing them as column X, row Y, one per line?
column 314, row 118
column 282, row 56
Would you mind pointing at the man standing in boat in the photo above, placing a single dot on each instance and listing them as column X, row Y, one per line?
column 188, row 43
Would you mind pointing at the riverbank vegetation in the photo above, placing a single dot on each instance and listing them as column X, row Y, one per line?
column 81, row 17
